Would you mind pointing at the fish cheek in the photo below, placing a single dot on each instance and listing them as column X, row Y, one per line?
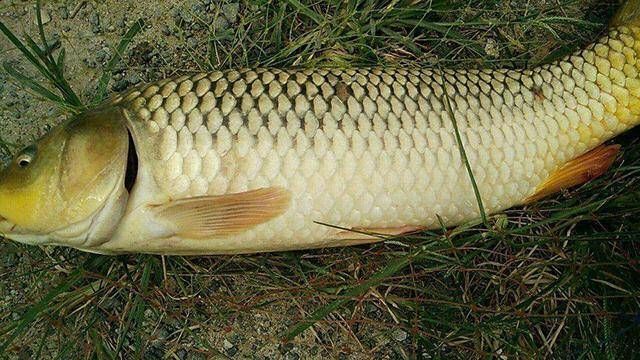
column 91, row 169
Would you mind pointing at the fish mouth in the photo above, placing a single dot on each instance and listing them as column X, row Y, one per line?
column 6, row 227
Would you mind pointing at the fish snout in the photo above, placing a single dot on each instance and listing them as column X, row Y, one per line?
column 6, row 226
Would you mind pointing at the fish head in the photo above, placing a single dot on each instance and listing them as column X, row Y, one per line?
column 55, row 190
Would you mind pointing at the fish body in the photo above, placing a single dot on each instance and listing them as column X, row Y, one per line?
column 252, row 160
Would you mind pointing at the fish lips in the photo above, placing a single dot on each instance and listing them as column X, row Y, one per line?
column 13, row 232
column 6, row 227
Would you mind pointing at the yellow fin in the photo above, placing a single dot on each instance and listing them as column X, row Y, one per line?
column 224, row 215
column 577, row 171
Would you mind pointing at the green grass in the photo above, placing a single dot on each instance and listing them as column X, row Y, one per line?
column 558, row 279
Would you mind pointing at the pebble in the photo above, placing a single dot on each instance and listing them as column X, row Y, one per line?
column 229, row 348
column 94, row 20
column 44, row 14
column 133, row 79
column 220, row 23
column 192, row 42
column 166, row 30
column 292, row 355
column 91, row 64
column 399, row 335
column 491, row 48
column 103, row 55
column 120, row 85
column 64, row 12
column 182, row 353
column 121, row 25
column 285, row 347
column 231, row 11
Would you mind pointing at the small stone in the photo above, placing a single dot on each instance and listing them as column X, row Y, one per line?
column 231, row 11
column 94, row 20
column 285, row 348
column 121, row 26
column 91, row 64
column 491, row 48
column 182, row 353
column 229, row 348
column 64, row 12
column 227, row 344
column 192, row 42
column 292, row 355
column 133, row 79
column 220, row 23
column 399, row 335
column 45, row 17
column 120, row 85
column 166, row 30
column 103, row 55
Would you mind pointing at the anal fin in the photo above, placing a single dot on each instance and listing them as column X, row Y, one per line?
column 224, row 215
column 577, row 171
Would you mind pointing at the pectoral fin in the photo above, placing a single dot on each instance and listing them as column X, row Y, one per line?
column 224, row 215
column 577, row 171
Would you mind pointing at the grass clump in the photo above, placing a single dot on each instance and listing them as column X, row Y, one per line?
column 556, row 279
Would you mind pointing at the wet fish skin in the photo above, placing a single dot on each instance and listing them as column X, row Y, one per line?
column 373, row 148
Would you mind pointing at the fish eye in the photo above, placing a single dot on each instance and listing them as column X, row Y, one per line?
column 24, row 160
column 26, row 157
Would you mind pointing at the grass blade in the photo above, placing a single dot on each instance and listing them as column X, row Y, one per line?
column 101, row 92
column 394, row 267
column 306, row 11
column 463, row 153
column 40, row 307
column 22, row 48
column 44, row 62
column 43, row 38
column 27, row 82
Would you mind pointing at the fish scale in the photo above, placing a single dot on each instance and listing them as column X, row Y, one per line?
column 376, row 148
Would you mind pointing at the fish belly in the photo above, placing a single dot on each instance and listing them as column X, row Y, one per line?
column 377, row 148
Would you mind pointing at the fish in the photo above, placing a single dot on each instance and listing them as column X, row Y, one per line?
column 262, row 159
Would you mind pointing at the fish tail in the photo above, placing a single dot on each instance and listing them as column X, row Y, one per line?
column 628, row 14
column 614, row 72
